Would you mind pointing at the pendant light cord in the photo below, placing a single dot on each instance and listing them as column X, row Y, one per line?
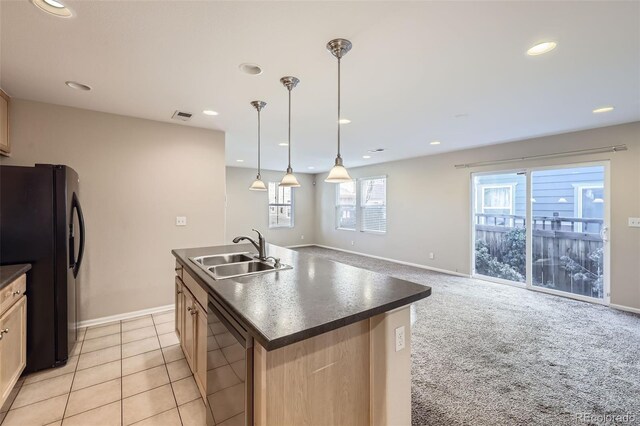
column 339, row 124
column 289, row 167
column 258, row 143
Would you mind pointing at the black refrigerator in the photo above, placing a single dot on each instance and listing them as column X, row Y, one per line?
column 41, row 223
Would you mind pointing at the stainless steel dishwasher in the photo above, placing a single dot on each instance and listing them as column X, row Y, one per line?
column 229, row 369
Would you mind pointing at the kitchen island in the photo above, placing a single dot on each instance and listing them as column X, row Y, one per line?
column 319, row 343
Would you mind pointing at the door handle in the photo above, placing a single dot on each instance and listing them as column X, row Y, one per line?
column 15, row 293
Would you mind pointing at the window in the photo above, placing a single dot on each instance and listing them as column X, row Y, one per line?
column 362, row 204
column 373, row 204
column 497, row 199
column 346, row 206
column 280, row 206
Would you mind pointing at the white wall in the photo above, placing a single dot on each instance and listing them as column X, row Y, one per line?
column 136, row 176
column 249, row 209
column 428, row 204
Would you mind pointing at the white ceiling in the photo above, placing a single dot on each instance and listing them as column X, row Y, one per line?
column 414, row 67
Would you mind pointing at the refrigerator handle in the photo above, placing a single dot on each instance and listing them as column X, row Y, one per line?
column 75, row 203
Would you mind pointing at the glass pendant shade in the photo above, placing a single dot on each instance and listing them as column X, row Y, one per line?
column 289, row 180
column 258, row 185
column 338, row 174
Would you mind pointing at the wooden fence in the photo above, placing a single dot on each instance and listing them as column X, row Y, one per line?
column 553, row 238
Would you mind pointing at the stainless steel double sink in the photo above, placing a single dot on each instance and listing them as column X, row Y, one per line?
column 234, row 265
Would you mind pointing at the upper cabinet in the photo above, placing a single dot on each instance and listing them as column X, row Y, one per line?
column 5, row 147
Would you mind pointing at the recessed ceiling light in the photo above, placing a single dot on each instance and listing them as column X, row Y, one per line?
column 311, row 168
column 603, row 109
column 53, row 7
column 209, row 112
column 240, row 161
column 434, row 143
column 541, row 48
column 366, row 157
column 376, row 150
column 78, row 86
column 283, row 144
column 251, row 69
column 344, row 121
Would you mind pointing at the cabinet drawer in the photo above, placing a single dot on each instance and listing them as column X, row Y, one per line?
column 11, row 293
column 179, row 269
column 198, row 292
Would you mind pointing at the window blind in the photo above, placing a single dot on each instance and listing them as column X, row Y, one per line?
column 373, row 204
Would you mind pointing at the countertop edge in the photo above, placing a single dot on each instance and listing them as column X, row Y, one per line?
column 20, row 269
column 280, row 342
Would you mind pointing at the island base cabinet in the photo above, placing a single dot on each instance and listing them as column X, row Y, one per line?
column 192, row 328
column 323, row 380
column 349, row 376
column 13, row 346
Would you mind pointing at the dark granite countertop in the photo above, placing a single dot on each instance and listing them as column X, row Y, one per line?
column 9, row 273
column 316, row 296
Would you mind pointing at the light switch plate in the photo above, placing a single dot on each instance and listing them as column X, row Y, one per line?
column 634, row 222
column 400, row 343
column 181, row 221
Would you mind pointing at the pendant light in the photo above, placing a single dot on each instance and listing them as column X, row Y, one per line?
column 289, row 180
column 338, row 174
column 258, row 184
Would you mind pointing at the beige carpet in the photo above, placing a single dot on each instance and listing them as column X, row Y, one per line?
column 491, row 354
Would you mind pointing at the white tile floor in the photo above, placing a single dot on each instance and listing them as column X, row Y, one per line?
column 127, row 372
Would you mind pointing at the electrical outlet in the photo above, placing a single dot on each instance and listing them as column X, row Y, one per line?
column 302, row 237
column 400, row 338
column 181, row 221
column 634, row 222
column 353, row 243
column 432, row 256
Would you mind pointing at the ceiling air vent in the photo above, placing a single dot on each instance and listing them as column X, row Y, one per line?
column 182, row 116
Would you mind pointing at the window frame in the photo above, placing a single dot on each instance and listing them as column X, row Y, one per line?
column 359, row 207
column 276, row 205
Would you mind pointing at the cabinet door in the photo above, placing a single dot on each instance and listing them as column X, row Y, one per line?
column 13, row 346
column 201, row 350
column 189, row 329
column 179, row 307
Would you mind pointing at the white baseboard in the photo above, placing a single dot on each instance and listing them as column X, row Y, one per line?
column 401, row 262
column 625, row 308
column 300, row 245
column 128, row 315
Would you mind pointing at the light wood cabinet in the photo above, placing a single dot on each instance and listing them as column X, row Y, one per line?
column 5, row 147
column 191, row 325
column 13, row 340
column 200, row 320
column 188, row 338
column 179, row 293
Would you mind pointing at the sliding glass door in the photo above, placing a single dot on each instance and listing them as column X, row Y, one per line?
column 569, row 230
column 499, row 222
column 545, row 228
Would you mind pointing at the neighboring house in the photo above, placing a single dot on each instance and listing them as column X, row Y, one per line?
column 566, row 193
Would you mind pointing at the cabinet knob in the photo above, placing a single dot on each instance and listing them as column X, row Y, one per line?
column 6, row 330
column 179, row 291
column 189, row 308
column 15, row 293
column 194, row 311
